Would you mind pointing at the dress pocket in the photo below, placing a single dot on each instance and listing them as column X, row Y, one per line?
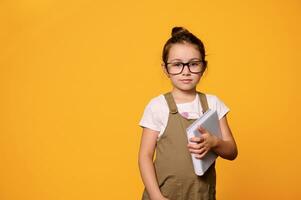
column 172, row 189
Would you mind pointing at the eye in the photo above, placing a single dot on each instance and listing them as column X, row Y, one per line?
column 177, row 64
column 194, row 63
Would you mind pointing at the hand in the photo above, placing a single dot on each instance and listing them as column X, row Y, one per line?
column 161, row 198
column 203, row 144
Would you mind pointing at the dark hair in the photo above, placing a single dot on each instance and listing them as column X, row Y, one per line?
column 182, row 35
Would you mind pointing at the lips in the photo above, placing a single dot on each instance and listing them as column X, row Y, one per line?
column 185, row 80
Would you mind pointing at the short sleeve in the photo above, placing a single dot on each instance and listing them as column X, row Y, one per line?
column 149, row 118
column 221, row 108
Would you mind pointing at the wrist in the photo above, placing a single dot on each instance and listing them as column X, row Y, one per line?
column 216, row 142
column 157, row 196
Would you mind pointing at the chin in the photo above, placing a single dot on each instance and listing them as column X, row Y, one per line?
column 186, row 88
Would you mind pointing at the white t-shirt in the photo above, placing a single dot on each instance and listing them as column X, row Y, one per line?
column 156, row 112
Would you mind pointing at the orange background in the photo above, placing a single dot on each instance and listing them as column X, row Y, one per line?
column 76, row 76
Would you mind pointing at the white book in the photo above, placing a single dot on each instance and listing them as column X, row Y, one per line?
column 209, row 120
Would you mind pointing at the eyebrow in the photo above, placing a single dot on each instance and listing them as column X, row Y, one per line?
column 177, row 59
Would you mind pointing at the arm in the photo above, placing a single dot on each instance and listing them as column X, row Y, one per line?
column 225, row 147
column 145, row 161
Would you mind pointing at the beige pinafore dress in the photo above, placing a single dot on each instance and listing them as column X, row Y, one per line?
column 173, row 163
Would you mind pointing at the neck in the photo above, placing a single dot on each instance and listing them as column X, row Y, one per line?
column 182, row 96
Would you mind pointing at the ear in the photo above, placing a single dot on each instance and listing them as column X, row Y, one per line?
column 164, row 70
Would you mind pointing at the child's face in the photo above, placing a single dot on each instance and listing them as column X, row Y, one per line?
column 183, row 52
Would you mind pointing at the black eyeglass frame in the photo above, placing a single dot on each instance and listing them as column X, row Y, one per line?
column 184, row 64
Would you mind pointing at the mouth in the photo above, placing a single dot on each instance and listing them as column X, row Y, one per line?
column 186, row 80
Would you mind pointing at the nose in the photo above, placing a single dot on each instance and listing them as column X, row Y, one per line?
column 185, row 69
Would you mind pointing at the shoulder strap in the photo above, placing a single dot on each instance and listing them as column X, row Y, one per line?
column 171, row 103
column 204, row 102
column 173, row 107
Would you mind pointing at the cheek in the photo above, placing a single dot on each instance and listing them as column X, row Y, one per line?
column 197, row 77
column 173, row 78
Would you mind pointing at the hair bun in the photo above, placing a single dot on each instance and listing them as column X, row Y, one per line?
column 178, row 30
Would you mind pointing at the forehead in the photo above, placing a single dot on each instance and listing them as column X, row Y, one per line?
column 183, row 51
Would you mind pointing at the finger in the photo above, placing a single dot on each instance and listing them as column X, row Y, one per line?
column 202, row 129
column 196, row 139
column 195, row 146
column 198, row 151
column 200, row 156
column 192, row 145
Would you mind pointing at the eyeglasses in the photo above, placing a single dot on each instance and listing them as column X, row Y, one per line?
column 175, row 68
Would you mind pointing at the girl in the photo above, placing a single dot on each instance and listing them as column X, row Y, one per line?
column 164, row 122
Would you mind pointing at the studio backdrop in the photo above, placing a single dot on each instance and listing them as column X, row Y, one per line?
column 76, row 76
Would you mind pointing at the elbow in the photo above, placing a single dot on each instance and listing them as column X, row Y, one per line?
column 233, row 155
column 144, row 157
column 230, row 152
